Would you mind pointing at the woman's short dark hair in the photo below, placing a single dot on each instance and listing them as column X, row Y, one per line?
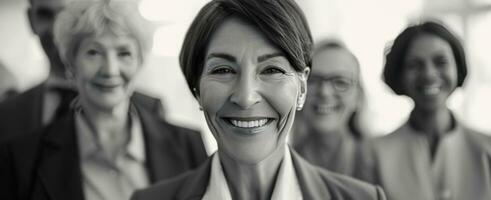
column 281, row 21
column 395, row 57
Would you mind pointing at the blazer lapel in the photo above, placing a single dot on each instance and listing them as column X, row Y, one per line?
column 37, row 106
column 195, row 185
column 160, row 152
column 59, row 166
column 311, row 183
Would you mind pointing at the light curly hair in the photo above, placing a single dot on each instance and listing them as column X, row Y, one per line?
column 87, row 18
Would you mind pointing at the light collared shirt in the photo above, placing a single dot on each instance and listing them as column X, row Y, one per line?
column 286, row 187
column 106, row 179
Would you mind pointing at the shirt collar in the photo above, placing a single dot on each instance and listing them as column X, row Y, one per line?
column 89, row 143
column 456, row 128
column 287, row 186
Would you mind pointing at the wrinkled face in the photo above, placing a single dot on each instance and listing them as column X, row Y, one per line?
column 333, row 91
column 248, row 91
column 42, row 15
column 430, row 72
column 104, row 70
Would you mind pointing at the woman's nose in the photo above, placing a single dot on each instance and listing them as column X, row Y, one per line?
column 110, row 66
column 325, row 89
column 429, row 72
column 246, row 93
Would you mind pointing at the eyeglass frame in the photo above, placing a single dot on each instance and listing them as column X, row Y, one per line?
column 334, row 81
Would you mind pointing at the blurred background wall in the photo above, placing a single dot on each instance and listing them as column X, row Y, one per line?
column 366, row 26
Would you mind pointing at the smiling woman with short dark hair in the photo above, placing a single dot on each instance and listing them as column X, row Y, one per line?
column 247, row 64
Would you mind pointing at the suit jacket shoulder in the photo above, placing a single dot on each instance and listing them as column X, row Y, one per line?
column 188, row 186
column 45, row 164
column 318, row 183
column 21, row 113
column 315, row 183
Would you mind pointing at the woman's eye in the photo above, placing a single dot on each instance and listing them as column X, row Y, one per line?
column 124, row 54
column 222, row 70
column 441, row 62
column 273, row 70
column 92, row 52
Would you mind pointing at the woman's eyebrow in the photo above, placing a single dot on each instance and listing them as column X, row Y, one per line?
column 222, row 56
column 268, row 56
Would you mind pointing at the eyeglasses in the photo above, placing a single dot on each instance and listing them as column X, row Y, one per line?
column 340, row 84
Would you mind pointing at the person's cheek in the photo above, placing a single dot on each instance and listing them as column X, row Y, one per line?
column 282, row 96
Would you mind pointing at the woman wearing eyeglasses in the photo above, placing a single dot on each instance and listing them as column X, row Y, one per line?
column 327, row 133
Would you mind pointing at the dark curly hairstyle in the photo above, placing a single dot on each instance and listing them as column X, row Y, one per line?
column 395, row 57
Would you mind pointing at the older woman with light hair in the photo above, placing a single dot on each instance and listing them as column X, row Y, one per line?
column 329, row 132
column 110, row 144
column 247, row 63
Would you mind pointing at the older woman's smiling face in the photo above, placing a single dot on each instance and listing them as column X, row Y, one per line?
column 248, row 91
column 104, row 69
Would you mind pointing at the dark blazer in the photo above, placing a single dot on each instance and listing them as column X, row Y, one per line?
column 46, row 165
column 22, row 113
column 315, row 183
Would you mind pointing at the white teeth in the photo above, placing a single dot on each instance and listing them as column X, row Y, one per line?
column 431, row 90
column 325, row 109
column 249, row 124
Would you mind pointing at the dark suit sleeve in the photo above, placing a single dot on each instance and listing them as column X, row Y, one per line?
column 196, row 147
column 7, row 184
column 135, row 195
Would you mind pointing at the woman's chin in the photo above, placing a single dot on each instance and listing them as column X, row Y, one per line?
column 250, row 155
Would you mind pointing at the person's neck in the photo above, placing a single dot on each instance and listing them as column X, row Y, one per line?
column 252, row 181
column 431, row 122
column 331, row 138
column 108, row 122
column 57, row 72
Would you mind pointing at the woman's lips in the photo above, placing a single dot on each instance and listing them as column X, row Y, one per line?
column 106, row 85
column 248, row 122
column 325, row 109
column 429, row 90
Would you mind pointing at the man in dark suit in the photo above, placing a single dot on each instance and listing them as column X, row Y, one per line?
column 35, row 108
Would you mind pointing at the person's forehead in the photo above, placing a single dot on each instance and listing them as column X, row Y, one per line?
column 235, row 35
column 428, row 43
column 50, row 4
column 109, row 39
column 334, row 61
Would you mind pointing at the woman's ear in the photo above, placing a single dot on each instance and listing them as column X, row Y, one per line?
column 69, row 74
column 198, row 98
column 303, row 76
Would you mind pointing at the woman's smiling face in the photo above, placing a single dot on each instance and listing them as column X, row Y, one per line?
column 430, row 72
column 249, row 92
column 104, row 70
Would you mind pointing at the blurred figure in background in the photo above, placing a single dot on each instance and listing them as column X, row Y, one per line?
column 8, row 83
column 327, row 133
column 37, row 106
column 108, row 144
column 432, row 156
column 40, row 105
